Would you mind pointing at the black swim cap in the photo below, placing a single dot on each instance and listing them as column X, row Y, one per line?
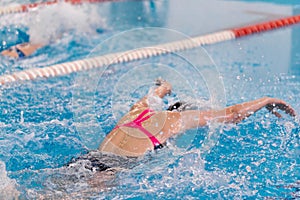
column 175, row 106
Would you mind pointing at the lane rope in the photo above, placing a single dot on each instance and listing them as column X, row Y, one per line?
column 146, row 52
column 33, row 6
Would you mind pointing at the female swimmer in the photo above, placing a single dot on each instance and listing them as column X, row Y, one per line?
column 143, row 129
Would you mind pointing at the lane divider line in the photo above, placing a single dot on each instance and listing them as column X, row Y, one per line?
column 146, row 52
column 34, row 6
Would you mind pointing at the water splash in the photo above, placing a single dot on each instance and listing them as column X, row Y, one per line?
column 7, row 186
column 51, row 22
column 47, row 24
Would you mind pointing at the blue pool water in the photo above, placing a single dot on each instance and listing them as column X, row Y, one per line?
column 47, row 122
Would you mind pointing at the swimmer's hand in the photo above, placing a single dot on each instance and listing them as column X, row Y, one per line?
column 274, row 104
column 238, row 112
column 163, row 88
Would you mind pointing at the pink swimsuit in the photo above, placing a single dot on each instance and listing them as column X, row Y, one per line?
column 137, row 123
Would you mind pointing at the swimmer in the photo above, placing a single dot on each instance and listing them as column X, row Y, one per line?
column 21, row 50
column 16, row 42
column 143, row 129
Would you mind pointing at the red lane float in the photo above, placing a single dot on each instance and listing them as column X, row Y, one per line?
column 266, row 26
column 28, row 7
column 146, row 52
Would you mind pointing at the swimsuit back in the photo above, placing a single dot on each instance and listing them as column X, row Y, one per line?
column 137, row 123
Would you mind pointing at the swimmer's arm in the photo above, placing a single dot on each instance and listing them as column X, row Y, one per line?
column 239, row 112
column 233, row 114
column 161, row 91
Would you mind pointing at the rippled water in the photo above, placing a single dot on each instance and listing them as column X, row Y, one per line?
column 46, row 123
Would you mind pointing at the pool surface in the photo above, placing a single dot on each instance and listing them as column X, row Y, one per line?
column 46, row 122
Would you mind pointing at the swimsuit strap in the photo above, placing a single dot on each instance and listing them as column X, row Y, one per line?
column 153, row 139
column 141, row 117
column 137, row 123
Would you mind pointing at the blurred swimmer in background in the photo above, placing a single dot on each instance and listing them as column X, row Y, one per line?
column 33, row 30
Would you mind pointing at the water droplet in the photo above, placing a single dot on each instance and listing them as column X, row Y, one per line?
column 22, row 117
column 248, row 168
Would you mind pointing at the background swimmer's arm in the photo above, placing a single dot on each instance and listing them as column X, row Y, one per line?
column 162, row 90
column 233, row 114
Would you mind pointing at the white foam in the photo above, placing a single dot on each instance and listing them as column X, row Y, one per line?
column 7, row 186
column 51, row 22
column 154, row 101
column 188, row 173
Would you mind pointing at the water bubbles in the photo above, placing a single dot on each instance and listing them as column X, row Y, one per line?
column 289, row 126
column 274, row 145
column 266, row 123
column 248, row 168
column 259, row 162
column 265, row 135
column 22, row 117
